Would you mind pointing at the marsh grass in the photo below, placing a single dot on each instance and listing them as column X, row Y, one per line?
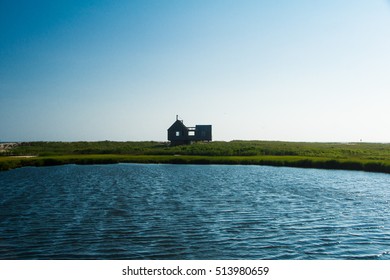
column 372, row 157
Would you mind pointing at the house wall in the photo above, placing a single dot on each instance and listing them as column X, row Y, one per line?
column 177, row 128
column 203, row 133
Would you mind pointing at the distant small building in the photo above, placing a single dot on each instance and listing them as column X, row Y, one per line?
column 179, row 134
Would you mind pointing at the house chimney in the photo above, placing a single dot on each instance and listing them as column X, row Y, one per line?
column 177, row 117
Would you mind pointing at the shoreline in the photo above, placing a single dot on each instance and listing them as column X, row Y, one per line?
column 371, row 157
column 12, row 162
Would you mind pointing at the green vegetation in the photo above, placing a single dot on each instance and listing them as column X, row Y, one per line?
column 349, row 156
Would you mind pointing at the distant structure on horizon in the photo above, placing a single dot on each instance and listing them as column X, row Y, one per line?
column 179, row 134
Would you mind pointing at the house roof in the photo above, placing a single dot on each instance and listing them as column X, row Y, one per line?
column 178, row 124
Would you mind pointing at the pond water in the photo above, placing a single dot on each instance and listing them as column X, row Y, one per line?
column 139, row 211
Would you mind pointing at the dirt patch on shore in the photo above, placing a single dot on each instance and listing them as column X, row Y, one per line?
column 22, row 156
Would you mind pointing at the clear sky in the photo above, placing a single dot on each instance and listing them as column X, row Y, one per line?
column 301, row 70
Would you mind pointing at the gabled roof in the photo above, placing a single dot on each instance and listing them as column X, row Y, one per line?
column 178, row 124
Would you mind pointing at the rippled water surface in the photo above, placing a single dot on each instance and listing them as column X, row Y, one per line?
column 135, row 211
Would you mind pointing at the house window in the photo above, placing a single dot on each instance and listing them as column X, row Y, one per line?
column 191, row 133
column 177, row 133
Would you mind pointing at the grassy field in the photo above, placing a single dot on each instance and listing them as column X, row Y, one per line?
column 350, row 156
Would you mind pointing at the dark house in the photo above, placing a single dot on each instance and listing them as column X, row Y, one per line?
column 179, row 134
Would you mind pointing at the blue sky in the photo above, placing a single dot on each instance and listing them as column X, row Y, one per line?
column 268, row 70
